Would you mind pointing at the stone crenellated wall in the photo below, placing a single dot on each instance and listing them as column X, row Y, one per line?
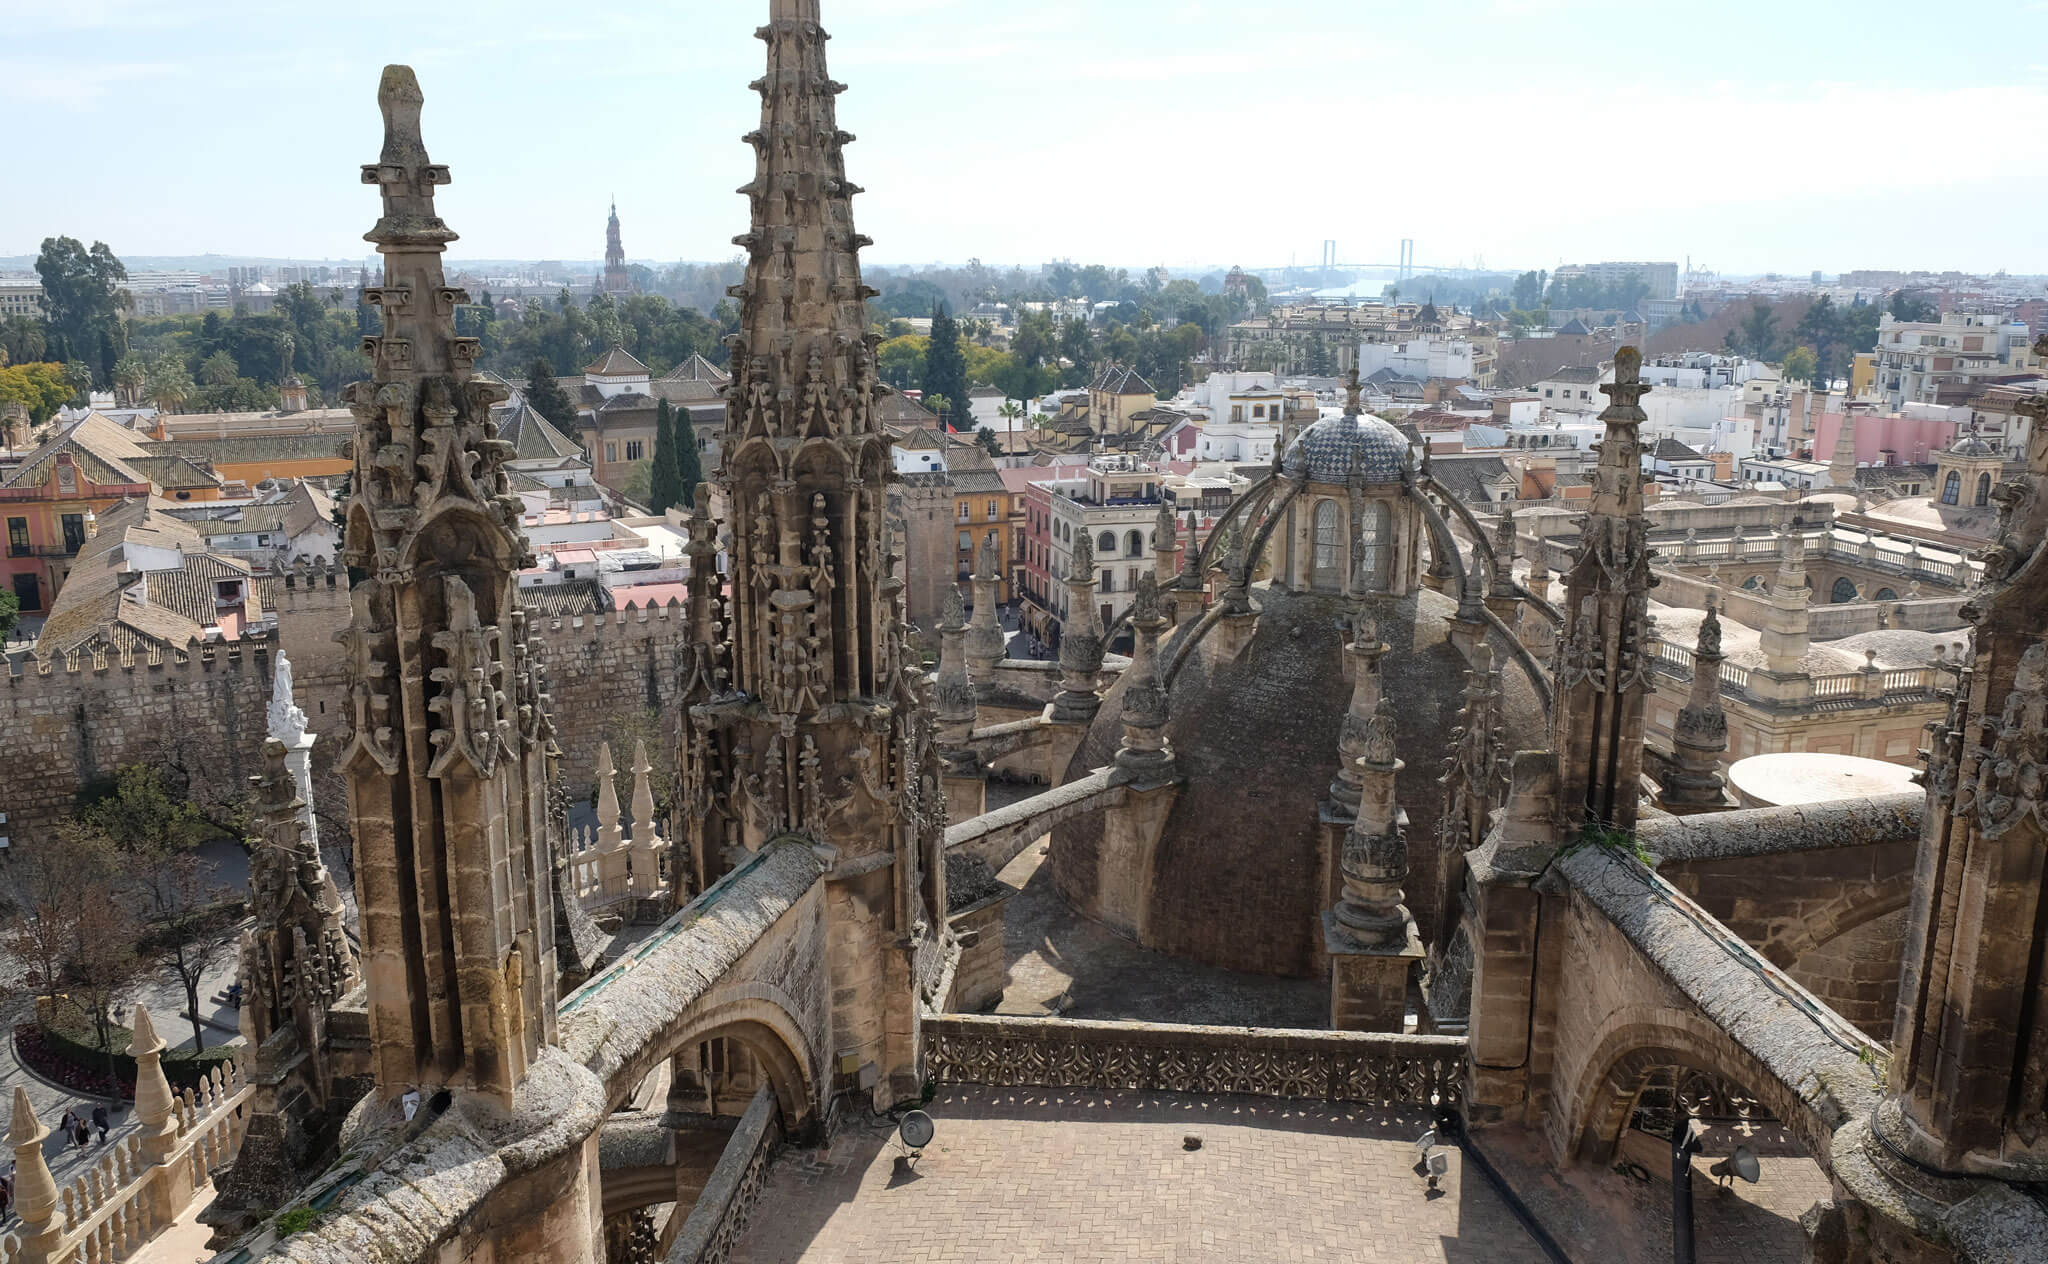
column 203, row 714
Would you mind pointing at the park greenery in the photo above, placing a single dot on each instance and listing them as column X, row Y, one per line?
column 119, row 893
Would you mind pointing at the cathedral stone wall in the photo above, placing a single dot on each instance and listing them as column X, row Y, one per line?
column 205, row 717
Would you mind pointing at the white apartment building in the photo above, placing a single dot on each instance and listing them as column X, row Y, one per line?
column 1921, row 361
column 1238, row 442
column 1419, row 358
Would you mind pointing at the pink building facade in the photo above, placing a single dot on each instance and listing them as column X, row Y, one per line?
column 1884, row 438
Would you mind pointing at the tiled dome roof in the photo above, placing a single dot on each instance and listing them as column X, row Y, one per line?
column 1332, row 449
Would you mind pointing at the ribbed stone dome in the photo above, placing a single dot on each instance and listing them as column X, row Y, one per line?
column 1332, row 449
column 1974, row 445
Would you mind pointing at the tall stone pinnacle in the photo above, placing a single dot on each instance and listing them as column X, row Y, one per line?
column 802, row 340
column 447, row 760
column 1604, row 652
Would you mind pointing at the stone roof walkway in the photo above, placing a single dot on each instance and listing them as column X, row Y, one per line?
column 1049, row 1175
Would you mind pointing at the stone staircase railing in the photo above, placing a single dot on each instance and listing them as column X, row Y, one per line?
column 139, row 1187
column 1329, row 1066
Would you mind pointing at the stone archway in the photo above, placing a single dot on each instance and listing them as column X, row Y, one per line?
column 760, row 1020
column 1640, row 1041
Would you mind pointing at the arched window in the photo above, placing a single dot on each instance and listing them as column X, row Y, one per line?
column 1983, row 490
column 1886, row 594
column 1845, row 591
column 1134, row 543
column 1376, row 547
column 1952, row 487
column 1329, row 538
column 1105, row 544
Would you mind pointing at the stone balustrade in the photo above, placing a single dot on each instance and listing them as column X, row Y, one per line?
column 1331, row 1066
column 613, row 866
column 143, row 1183
column 1870, row 684
column 720, row 1215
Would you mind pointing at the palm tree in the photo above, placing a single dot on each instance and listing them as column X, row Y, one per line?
column 131, row 375
column 170, row 385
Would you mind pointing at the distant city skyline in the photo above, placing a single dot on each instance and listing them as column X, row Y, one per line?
column 1523, row 133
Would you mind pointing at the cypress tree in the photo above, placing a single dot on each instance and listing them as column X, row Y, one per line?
column 689, row 469
column 665, row 485
column 945, row 367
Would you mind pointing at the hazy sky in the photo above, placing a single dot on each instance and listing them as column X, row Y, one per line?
column 1748, row 135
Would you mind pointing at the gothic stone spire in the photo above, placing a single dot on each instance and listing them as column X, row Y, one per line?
column 1603, row 665
column 446, row 766
column 820, row 731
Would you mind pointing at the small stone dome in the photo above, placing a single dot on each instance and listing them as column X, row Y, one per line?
column 1333, row 449
column 1974, row 445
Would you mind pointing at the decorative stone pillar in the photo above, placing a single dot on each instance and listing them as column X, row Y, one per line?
column 612, row 847
column 1364, row 651
column 35, row 1189
column 1370, row 934
column 1131, row 830
column 648, row 843
column 1501, row 598
column 171, row 1184
column 1234, row 628
column 1165, row 548
column 1784, row 636
column 1144, row 757
column 1081, row 643
column 1539, row 633
column 984, row 643
column 1189, row 597
column 1700, row 737
column 965, row 778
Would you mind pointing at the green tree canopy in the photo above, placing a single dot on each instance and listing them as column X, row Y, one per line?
column 545, row 393
column 41, row 388
column 1799, row 364
column 82, row 294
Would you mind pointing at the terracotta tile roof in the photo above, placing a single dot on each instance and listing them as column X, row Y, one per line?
column 1118, row 380
column 566, row 600
column 697, row 369
column 214, row 453
column 101, row 449
column 617, row 362
column 532, row 436
column 101, row 605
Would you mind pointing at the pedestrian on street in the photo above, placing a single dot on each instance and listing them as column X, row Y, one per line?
column 67, row 1127
column 81, row 1134
column 99, row 1121
column 6, row 1198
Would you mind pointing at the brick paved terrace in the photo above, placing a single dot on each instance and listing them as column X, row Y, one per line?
column 1080, row 1175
